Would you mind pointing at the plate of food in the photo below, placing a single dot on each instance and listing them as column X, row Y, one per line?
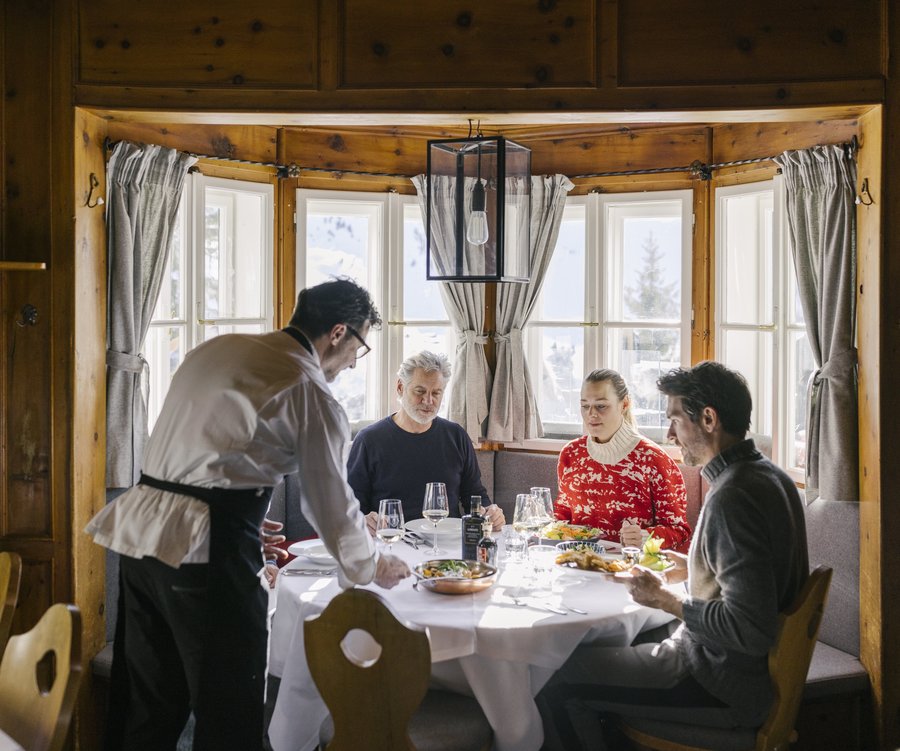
column 453, row 576
column 445, row 527
column 313, row 551
column 560, row 531
column 653, row 557
column 593, row 562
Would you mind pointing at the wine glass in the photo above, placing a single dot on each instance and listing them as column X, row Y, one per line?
column 523, row 515
column 389, row 526
column 543, row 495
column 435, row 508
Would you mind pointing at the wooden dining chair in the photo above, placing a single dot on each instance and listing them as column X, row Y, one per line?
column 788, row 664
column 384, row 704
column 10, row 577
column 39, row 676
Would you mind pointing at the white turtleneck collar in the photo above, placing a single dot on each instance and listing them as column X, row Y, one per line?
column 621, row 444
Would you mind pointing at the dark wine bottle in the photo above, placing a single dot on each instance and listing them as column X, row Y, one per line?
column 472, row 529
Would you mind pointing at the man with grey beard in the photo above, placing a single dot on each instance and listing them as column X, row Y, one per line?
column 397, row 456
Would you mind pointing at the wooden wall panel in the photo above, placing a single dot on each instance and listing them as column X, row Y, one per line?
column 571, row 150
column 26, row 150
column 873, row 586
column 255, row 143
column 706, row 41
column 212, row 43
column 503, row 43
column 736, row 141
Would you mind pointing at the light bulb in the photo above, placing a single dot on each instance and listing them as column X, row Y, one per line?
column 477, row 226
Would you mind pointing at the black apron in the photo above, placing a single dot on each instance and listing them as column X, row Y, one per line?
column 231, row 686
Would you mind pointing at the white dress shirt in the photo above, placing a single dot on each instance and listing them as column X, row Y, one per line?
column 242, row 411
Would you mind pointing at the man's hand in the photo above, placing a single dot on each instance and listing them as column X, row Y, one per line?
column 390, row 571
column 271, row 574
column 270, row 540
column 646, row 588
column 372, row 522
column 495, row 514
column 679, row 572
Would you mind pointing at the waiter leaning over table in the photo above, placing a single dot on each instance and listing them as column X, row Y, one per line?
column 242, row 411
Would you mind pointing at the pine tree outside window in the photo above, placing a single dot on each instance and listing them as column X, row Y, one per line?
column 631, row 312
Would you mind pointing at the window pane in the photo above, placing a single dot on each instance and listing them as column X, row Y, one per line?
column 234, row 249
column 644, row 260
column 437, row 339
column 338, row 241
column 164, row 351
column 349, row 388
column 211, row 332
column 800, row 367
column 421, row 298
column 556, row 366
column 170, row 304
column 562, row 294
column 751, row 353
column 749, row 272
column 641, row 356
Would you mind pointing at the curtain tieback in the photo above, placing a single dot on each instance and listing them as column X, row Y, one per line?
column 124, row 361
column 513, row 335
column 470, row 337
column 837, row 365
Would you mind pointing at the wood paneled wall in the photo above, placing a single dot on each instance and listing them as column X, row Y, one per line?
column 349, row 63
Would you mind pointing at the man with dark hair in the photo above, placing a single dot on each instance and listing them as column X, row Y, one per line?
column 747, row 562
column 242, row 411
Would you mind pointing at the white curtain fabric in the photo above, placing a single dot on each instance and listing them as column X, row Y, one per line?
column 820, row 184
column 464, row 303
column 513, row 414
column 144, row 184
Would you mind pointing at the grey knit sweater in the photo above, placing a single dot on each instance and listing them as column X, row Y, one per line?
column 747, row 562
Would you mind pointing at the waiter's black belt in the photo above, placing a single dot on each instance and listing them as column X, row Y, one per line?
column 207, row 495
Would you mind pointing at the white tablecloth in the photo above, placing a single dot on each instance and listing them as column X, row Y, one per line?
column 482, row 644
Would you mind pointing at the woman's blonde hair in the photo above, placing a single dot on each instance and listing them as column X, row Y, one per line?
column 619, row 386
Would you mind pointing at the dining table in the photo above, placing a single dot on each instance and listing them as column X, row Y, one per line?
column 499, row 645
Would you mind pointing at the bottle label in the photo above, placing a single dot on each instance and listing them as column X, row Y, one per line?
column 471, row 536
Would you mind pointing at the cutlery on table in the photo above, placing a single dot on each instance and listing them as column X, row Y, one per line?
column 574, row 610
column 539, row 606
column 308, row 572
column 409, row 540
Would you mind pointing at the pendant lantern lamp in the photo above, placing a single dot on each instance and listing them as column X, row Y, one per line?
column 478, row 211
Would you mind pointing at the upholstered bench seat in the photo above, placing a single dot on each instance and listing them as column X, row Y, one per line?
column 833, row 672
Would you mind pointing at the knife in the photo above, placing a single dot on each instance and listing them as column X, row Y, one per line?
column 410, row 541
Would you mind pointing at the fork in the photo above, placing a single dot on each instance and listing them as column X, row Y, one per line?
column 538, row 606
column 309, row 572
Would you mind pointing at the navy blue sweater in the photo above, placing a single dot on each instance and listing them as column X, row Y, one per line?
column 388, row 462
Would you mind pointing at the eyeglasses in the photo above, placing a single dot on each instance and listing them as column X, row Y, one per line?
column 364, row 348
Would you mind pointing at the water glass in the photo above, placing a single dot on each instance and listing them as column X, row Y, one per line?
column 543, row 559
column 513, row 546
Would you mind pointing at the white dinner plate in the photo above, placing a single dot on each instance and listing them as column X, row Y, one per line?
column 313, row 551
column 445, row 527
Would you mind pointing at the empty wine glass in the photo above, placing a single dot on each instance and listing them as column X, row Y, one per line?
column 525, row 519
column 389, row 526
column 543, row 495
column 435, row 508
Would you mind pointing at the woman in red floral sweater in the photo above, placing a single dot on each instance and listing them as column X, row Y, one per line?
column 615, row 479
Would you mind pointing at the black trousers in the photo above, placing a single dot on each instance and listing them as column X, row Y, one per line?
column 181, row 651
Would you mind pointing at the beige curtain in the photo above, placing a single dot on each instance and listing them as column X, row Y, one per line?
column 464, row 303
column 820, row 184
column 513, row 414
column 144, row 185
